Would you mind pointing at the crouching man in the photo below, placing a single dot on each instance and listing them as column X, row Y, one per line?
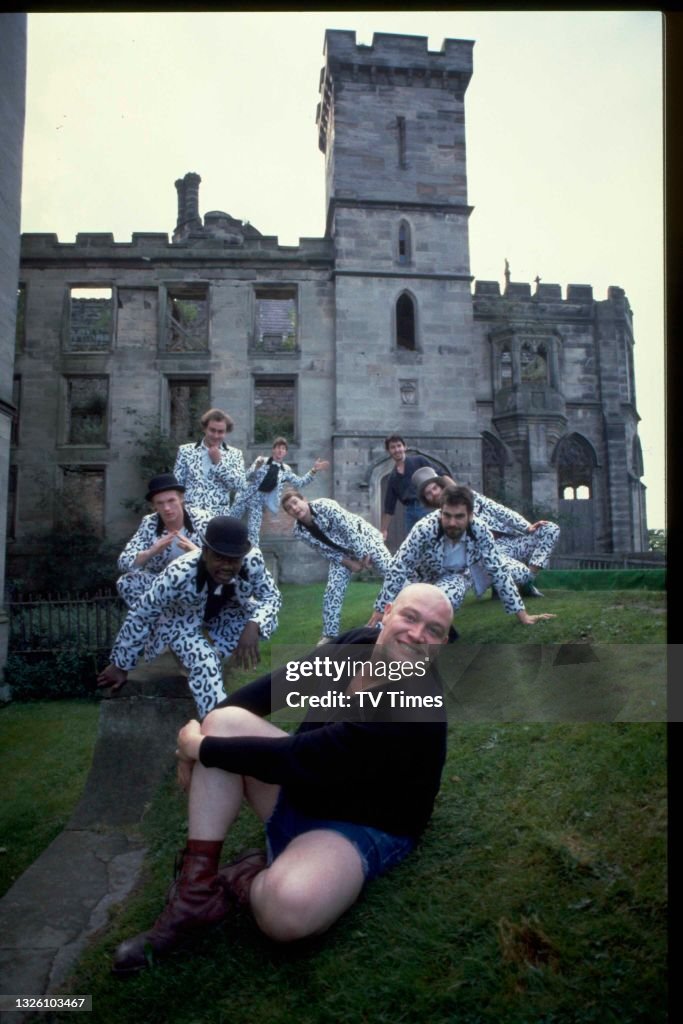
column 343, row 799
column 171, row 530
column 452, row 549
column 348, row 542
column 207, row 605
column 517, row 538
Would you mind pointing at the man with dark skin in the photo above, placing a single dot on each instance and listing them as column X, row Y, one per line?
column 207, row 605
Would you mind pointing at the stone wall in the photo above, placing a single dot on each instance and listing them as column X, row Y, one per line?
column 12, row 111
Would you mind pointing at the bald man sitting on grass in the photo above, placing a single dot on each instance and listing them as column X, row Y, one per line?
column 343, row 799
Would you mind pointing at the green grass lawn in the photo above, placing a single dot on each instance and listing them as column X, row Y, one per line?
column 47, row 747
column 612, row 617
column 537, row 895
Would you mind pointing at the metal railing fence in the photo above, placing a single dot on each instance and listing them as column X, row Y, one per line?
column 44, row 623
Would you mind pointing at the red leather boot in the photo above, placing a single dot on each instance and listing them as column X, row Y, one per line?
column 197, row 898
column 241, row 872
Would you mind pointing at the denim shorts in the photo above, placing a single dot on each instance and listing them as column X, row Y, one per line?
column 379, row 851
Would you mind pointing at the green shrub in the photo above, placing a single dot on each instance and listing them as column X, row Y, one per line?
column 52, row 676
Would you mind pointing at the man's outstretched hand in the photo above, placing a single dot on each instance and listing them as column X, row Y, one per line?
column 112, row 676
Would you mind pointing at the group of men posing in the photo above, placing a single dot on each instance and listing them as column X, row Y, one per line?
column 334, row 798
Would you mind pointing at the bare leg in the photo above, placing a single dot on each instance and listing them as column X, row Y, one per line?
column 318, row 876
column 308, row 887
column 215, row 795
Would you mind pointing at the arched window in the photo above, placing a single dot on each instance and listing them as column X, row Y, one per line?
column 575, row 463
column 405, row 323
column 404, row 242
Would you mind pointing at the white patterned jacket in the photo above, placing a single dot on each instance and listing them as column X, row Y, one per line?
column 351, row 532
column 212, row 491
column 420, row 558
column 498, row 517
column 149, row 531
column 286, row 477
column 174, row 605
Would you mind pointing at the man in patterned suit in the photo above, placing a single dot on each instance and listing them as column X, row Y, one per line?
column 171, row 530
column 266, row 480
column 347, row 541
column 453, row 550
column 210, row 469
column 206, row 605
column 516, row 537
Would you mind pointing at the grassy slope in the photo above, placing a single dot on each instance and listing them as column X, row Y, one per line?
column 47, row 751
column 536, row 896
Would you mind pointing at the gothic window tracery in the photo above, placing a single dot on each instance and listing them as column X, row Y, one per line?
column 575, row 464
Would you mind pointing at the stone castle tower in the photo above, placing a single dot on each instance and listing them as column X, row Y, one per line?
column 373, row 328
column 392, row 127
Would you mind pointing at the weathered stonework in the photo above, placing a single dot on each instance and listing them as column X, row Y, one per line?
column 12, row 110
column 374, row 328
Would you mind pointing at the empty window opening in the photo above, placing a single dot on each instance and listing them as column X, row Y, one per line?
column 275, row 320
column 188, row 399
column 86, row 410
column 405, row 323
column 274, row 409
column 187, row 321
column 91, row 318
column 82, row 504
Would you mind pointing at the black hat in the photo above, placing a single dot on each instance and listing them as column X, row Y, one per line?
column 227, row 536
column 164, row 482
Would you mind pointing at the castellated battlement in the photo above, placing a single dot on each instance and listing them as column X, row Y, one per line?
column 396, row 74
column 546, row 300
column 150, row 246
column 544, row 293
column 398, row 52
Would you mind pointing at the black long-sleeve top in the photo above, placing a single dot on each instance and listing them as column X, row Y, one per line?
column 373, row 767
column 400, row 486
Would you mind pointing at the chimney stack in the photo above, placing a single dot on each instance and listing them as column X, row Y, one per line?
column 188, row 206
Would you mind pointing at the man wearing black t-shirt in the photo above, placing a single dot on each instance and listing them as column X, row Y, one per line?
column 343, row 799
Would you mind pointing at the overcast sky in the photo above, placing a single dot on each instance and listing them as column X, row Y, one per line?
column 564, row 142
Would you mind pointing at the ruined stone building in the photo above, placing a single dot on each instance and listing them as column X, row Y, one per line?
column 377, row 326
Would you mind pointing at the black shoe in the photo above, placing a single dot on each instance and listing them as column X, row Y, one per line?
column 529, row 590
